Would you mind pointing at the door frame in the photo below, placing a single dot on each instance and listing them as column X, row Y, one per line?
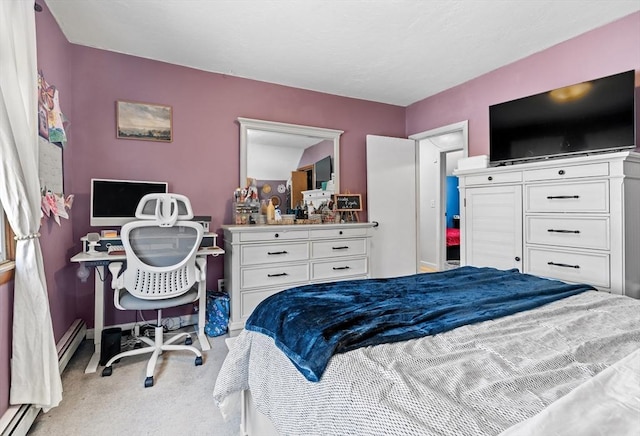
column 463, row 127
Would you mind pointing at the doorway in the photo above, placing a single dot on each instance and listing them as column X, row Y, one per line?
column 451, row 194
column 410, row 177
column 438, row 152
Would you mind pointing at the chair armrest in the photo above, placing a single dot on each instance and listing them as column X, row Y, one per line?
column 117, row 281
column 201, row 264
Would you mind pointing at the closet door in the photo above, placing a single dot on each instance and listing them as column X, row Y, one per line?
column 391, row 202
column 493, row 227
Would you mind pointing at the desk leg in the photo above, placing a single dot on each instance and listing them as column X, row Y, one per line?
column 202, row 318
column 98, row 316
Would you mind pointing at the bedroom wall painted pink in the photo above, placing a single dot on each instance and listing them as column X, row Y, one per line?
column 202, row 162
column 607, row 50
column 57, row 242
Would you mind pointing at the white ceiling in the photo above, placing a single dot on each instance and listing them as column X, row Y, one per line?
column 391, row 51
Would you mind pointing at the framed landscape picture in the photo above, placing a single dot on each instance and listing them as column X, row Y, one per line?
column 144, row 121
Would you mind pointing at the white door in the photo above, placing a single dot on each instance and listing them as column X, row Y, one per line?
column 391, row 202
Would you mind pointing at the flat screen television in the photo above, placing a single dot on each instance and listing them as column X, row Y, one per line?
column 114, row 202
column 322, row 170
column 588, row 117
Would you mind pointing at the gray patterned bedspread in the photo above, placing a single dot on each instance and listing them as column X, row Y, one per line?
column 479, row 379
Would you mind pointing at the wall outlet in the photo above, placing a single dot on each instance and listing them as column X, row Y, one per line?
column 221, row 286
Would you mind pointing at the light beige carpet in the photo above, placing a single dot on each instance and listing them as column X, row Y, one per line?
column 179, row 403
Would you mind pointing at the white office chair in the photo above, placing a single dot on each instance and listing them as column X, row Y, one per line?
column 161, row 271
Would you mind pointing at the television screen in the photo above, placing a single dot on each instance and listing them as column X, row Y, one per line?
column 114, row 202
column 587, row 117
column 322, row 170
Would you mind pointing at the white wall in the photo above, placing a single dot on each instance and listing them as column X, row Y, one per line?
column 429, row 173
column 429, row 161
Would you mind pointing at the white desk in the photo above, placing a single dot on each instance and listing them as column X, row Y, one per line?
column 101, row 274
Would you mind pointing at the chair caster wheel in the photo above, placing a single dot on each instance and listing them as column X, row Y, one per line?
column 188, row 341
column 137, row 345
column 106, row 372
column 148, row 382
column 198, row 360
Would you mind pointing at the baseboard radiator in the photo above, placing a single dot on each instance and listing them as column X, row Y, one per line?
column 17, row 420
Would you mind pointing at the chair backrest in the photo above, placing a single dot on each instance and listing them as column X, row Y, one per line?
column 164, row 208
column 161, row 252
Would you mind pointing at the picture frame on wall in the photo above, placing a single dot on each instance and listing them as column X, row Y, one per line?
column 144, row 121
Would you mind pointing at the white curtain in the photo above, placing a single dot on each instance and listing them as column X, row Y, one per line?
column 35, row 378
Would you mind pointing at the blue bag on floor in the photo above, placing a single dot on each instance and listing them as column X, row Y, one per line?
column 217, row 319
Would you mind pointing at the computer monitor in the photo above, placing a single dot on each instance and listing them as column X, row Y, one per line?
column 114, row 202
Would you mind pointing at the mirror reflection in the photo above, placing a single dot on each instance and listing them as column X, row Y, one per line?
column 286, row 160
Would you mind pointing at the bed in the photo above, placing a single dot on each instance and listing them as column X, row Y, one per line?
column 453, row 243
column 508, row 371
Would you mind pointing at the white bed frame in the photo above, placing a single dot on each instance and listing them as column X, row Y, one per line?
column 252, row 421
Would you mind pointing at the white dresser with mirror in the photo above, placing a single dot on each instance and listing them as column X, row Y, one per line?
column 291, row 157
column 261, row 260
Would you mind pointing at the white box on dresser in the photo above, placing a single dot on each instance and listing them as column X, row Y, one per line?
column 261, row 260
column 574, row 219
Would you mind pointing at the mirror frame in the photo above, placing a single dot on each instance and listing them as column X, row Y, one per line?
column 273, row 126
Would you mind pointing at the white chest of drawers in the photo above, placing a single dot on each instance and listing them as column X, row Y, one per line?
column 263, row 260
column 574, row 219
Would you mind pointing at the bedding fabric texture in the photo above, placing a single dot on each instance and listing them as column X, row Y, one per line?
column 312, row 323
column 453, row 236
column 607, row 404
column 478, row 379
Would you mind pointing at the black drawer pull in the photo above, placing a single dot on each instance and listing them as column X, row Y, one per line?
column 564, row 265
column 555, row 197
column 561, row 172
column 277, row 275
column 340, row 248
column 490, row 178
column 563, row 231
column 336, row 268
column 270, row 253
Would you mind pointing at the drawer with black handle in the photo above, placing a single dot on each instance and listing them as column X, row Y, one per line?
column 587, row 197
column 571, row 266
column 276, row 275
column 339, row 268
column 258, row 254
column 338, row 247
column 576, row 232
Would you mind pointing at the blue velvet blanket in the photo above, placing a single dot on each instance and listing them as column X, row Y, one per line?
column 311, row 323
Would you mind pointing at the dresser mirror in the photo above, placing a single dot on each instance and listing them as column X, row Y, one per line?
column 286, row 159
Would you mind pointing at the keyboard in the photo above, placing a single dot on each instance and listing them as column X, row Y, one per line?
column 115, row 249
